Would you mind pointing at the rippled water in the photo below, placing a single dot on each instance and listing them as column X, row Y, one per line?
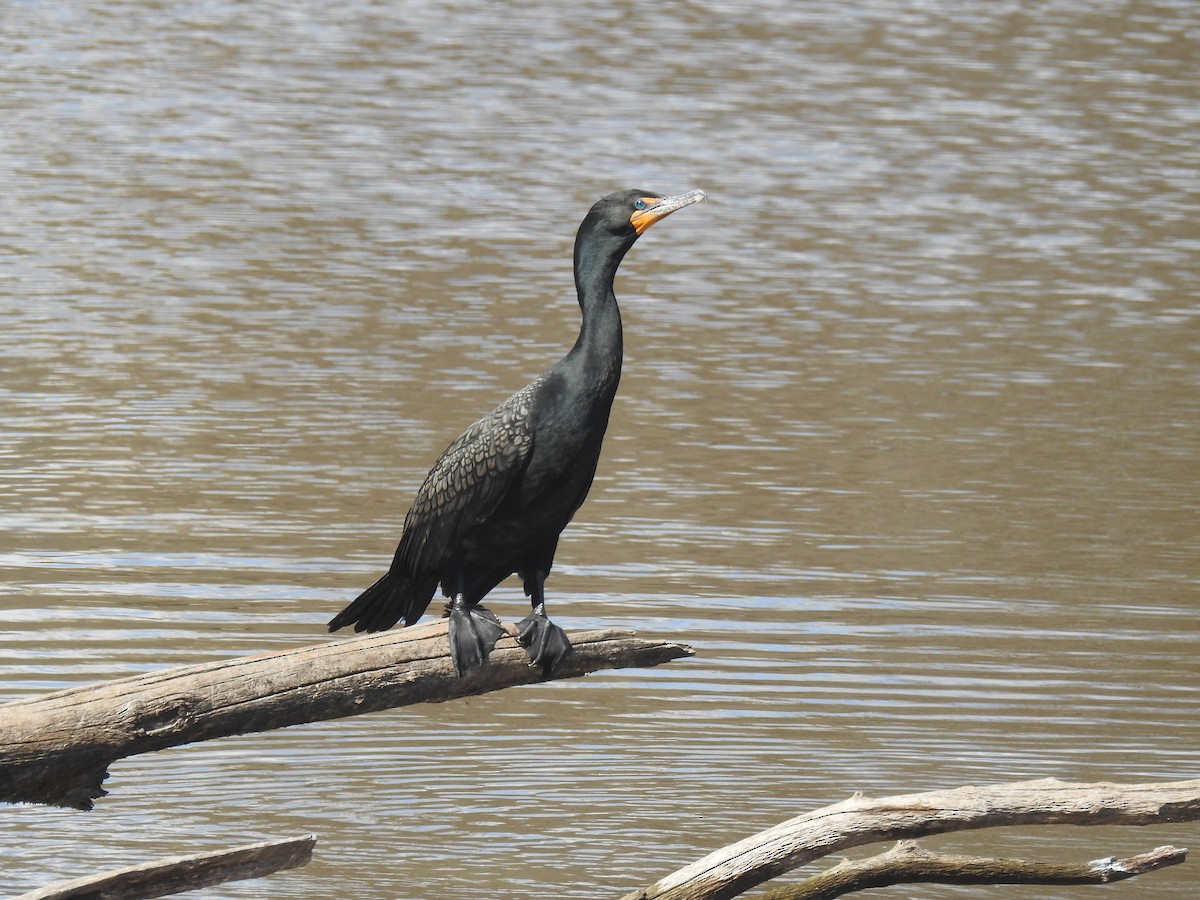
column 906, row 445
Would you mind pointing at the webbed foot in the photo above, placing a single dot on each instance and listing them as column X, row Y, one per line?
column 474, row 631
column 544, row 641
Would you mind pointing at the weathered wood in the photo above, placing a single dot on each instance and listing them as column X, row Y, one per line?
column 56, row 749
column 861, row 820
column 177, row 874
column 908, row 863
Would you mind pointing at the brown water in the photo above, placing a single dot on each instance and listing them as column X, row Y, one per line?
column 906, row 446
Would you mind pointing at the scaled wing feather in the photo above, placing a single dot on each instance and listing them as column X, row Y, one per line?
column 467, row 483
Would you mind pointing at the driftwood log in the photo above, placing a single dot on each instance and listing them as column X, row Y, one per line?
column 177, row 874
column 861, row 820
column 56, row 749
column 908, row 863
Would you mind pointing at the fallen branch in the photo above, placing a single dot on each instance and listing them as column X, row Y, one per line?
column 862, row 820
column 177, row 874
column 907, row 863
column 56, row 749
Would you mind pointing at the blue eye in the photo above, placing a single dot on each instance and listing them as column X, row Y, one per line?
column 639, row 204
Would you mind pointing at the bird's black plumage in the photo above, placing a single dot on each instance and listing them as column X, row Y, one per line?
column 499, row 496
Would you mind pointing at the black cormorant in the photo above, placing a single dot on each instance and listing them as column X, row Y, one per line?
column 500, row 495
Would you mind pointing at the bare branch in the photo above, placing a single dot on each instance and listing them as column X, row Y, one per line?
column 862, row 820
column 56, row 749
column 907, row 863
column 177, row 874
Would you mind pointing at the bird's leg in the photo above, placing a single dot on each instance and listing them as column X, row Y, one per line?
column 544, row 641
column 474, row 631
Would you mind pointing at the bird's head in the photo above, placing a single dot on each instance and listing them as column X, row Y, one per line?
column 629, row 213
column 611, row 227
column 616, row 221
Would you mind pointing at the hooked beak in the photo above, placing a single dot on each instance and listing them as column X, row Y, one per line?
column 661, row 207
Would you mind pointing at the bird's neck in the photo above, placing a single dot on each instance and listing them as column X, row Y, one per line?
column 598, row 350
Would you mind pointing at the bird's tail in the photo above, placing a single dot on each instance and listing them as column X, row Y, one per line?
column 390, row 599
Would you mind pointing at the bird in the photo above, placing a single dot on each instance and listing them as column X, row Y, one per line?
column 497, row 499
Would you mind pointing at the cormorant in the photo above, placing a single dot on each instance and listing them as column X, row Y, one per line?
column 499, row 496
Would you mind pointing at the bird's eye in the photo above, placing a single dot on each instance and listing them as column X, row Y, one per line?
column 639, row 204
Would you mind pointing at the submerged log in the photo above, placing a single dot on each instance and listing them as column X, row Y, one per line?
column 56, row 749
column 177, row 874
column 731, row 870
